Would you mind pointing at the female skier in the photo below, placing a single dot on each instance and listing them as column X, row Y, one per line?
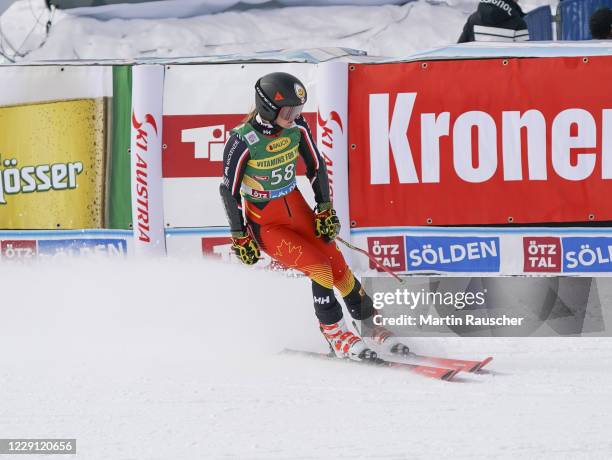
column 259, row 164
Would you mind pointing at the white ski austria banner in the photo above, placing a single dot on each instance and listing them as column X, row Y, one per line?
column 146, row 167
column 332, row 137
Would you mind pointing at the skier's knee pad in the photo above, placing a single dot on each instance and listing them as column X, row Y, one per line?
column 327, row 308
column 359, row 303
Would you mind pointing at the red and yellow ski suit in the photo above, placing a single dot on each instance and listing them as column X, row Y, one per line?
column 284, row 227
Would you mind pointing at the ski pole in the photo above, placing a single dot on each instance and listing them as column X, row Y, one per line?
column 371, row 257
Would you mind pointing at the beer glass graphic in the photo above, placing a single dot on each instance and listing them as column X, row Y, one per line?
column 52, row 164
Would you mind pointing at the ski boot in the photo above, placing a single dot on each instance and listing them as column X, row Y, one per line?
column 380, row 336
column 360, row 306
column 345, row 344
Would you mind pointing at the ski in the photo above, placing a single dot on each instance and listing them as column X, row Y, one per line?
column 461, row 364
column 440, row 373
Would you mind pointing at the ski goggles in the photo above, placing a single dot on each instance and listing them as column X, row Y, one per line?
column 290, row 113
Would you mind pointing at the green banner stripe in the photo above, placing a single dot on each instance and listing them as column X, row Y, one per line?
column 119, row 193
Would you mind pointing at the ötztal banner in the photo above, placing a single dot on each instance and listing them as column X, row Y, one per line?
column 486, row 250
column 480, row 141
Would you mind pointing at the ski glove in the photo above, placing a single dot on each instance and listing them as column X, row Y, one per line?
column 245, row 247
column 327, row 224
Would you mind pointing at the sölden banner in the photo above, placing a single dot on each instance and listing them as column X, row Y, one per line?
column 480, row 141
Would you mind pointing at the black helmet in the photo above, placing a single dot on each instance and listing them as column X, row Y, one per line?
column 276, row 90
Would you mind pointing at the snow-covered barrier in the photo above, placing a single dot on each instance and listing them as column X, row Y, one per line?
column 110, row 9
column 442, row 138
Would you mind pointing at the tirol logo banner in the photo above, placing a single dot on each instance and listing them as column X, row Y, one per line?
column 216, row 246
column 480, row 142
column 193, row 144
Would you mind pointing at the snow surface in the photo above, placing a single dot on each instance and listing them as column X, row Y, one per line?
column 168, row 359
column 388, row 30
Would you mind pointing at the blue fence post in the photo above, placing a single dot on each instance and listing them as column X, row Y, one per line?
column 539, row 22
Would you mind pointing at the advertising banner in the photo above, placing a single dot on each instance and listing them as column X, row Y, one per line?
column 332, row 137
column 452, row 253
column 198, row 116
column 53, row 146
column 27, row 245
column 469, row 142
column 487, row 251
column 146, row 148
column 587, row 254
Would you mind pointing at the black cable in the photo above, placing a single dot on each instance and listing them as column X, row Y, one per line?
column 16, row 50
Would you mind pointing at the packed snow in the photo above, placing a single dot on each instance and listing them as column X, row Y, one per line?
column 179, row 359
column 389, row 30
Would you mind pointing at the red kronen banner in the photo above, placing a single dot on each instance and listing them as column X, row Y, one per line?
column 481, row 142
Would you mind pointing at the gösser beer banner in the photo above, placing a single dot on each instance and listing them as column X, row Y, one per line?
column 53, row 146
column 480, row 142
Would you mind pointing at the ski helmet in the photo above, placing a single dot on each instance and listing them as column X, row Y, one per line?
column 279, row 91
